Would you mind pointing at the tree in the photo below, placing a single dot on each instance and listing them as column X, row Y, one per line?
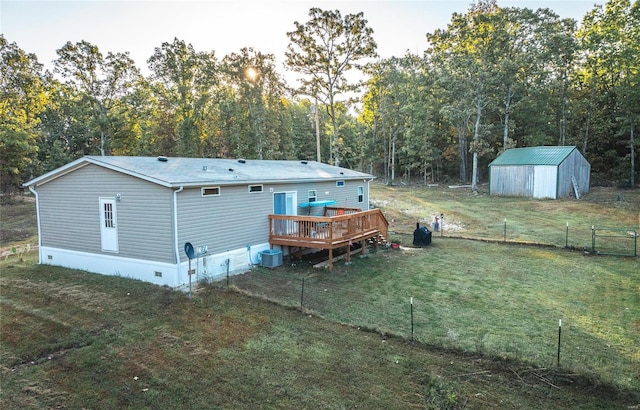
column 396, row 111
column 469, row 50
column 184, row 82
column 610, row 37
column 259, row 90
column 324, row 50
column 22, row 98
column 101, row 83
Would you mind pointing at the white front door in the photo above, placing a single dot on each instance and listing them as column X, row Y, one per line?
column 108, row 225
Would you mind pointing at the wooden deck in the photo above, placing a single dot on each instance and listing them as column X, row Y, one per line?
column 340, row 227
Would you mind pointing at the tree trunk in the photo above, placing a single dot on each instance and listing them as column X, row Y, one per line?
column 507, row 111
column 585, row 139
column 333, row 153
column 564, row 102
column 633, row 154
column 476, row 138
column 393, row 159
column 103, row 121
column 462, row 147
column 317, row 118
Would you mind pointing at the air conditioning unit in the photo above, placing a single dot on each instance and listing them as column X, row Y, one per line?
column 271, row 258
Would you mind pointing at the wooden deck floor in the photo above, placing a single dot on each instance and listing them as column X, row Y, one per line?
column 328, row 232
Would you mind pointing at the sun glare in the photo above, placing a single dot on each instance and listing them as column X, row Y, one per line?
column 251, row 73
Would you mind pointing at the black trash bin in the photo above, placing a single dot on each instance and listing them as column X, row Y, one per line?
column 421, row 236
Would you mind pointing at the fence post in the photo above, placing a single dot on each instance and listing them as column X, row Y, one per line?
column 505, row 230
column 593, row 239
column 411, row 301
column 559, row 335
column 566, row 237
column 302, row 295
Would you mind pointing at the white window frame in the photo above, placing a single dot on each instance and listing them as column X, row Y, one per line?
column 312, row 195
column 203, row 189
column 360, row 194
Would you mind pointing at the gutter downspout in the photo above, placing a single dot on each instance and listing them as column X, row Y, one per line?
column 368, row 191
column 175, row 229
column 35, row 193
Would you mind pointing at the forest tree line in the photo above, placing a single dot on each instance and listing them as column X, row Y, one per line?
column 494, row 78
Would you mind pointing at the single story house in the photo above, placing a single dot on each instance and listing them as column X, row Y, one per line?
column 540, row 172
column 133, row 216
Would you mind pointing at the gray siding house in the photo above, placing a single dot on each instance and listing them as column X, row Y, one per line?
column 539, row 172
column 132, row 216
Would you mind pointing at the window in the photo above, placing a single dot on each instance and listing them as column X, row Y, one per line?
column 108, row 215
column 360, row 194
column 210, row 191
column 339, row 183
column 313, row 195
column 255, row 188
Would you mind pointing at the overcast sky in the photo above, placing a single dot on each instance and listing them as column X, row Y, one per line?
column 137, row 27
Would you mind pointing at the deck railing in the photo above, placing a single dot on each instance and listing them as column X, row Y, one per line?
column 340, row 227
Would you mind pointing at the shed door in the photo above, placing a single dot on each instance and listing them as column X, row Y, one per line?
column 545, row 181
column 108, row 225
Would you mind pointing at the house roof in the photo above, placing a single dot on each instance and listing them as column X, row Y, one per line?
column 534, row 156
column 176, row 172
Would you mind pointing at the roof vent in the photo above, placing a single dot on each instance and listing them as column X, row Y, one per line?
column 230, row 169
column 204, row 167
column 341, row 173
column 304, row 162
column 163, row 159
column 242, row 161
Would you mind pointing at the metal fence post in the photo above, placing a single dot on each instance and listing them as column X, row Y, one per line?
column 559, row 335
column 411, row 301
column 505, row 230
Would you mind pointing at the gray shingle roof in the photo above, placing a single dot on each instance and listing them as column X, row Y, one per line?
column 175, row 172
column 534, row 156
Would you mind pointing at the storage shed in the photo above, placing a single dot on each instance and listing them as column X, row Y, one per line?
column 540, row 172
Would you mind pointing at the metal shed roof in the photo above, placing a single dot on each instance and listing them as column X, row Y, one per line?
column 534, row 156
column 176, row 172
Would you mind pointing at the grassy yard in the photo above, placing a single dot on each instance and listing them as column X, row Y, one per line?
column 18, row 225
column 480, row 216
column 75, row 340
column 485, row 298
column 485, row 321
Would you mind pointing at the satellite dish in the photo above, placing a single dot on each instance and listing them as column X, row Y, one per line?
column 188, row 249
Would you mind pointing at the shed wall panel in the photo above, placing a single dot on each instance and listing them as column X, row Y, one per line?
column 511, row 180
column 574, row 165
column 70, row 214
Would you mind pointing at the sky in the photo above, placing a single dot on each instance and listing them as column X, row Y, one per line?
column 138, row 27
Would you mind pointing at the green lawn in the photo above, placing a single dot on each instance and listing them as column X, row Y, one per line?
column 485, row 321
column 77, row 340
column 482, row 216
column 501, row 300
